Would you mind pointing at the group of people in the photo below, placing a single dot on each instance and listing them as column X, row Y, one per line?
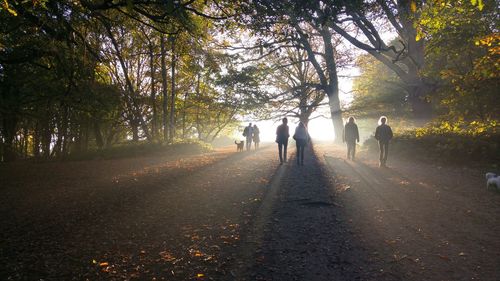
column 301, row 137
column 383, row 134
column 251, row 133
column 350, row 136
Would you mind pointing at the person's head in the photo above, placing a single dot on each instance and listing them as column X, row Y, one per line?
column 351, row 119
column 382, row 120
column 302, row 125
column 250, row 125
column 285, row 121
column 255, row 126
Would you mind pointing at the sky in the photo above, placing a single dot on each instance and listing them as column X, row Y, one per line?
column 320, row 128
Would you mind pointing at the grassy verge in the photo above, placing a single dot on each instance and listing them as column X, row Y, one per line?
column 473, row 143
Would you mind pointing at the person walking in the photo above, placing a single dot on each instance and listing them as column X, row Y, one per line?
column 301, row 138
column 282, row 135
column 248, row 133
column 256, row 137
column 351, row 136
column 383, row 134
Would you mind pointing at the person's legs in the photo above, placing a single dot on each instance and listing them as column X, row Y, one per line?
column 285, row 145
column 297, row 144
column 302, row 148
column 381, row 158
column 350, row 150
column 353, row 150
column 386, row 152
column 280, row 151
column 249, row 143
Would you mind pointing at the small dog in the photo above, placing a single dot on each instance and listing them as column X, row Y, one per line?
column 492, row 181
column 239, row 146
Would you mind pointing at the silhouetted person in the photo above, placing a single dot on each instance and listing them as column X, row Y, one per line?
column 301, row 138
column 383, row 134
column 282, row 135
column 256, row 136
column 248, row 133
column 350, row 136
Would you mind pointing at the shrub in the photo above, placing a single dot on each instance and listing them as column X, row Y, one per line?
column 449, row 142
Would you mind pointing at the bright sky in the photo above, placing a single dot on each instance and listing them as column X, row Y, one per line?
column 320, row 128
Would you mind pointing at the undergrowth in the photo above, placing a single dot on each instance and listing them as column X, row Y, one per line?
column 459, row 142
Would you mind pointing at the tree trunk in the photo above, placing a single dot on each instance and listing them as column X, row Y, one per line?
column 332, row 89
column 134, row 125
column 36, row 140
column 9, row 131
column 153, row 91
column 172, row 93
column 336, row 115
column 98, row 135
column 164, row 86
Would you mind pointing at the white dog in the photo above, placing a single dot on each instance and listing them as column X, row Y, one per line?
column 492, row 181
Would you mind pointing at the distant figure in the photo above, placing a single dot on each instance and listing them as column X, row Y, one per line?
column 248, row 133
column 256, row 137
column 282, row 135
column 351, row 136
column 301, row 138
column 383, row 134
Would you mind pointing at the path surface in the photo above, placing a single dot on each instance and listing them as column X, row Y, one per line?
column 242, row 216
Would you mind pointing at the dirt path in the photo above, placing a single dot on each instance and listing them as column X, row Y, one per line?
column 162, row 218
column 342, row 220
column 423, row 221
column 242, row 216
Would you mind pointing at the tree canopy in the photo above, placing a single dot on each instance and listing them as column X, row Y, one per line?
column 85, row 75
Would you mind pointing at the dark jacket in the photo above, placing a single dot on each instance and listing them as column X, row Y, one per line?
column 282, row 133
column 383, row 133
column 351, row 132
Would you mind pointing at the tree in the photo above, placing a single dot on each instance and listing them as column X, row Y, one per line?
column 462, row 43
column 377, row 89
column 294, row 76
column 304, row 25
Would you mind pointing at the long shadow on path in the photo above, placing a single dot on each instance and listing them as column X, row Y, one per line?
column 307, row 235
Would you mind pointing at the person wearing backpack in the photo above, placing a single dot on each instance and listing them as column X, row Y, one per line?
column 301, row 138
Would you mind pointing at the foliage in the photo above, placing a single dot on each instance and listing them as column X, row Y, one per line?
column 462, row 44
column 458, row 142
column 377, row 90
column 78, row 75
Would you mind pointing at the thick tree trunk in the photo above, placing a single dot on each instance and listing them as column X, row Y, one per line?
column 134, row 126
column 336, row 115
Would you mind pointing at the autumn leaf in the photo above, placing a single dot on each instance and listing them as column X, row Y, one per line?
column 413, row 6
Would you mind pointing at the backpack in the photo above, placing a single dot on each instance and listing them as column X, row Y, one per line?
column 245, row 132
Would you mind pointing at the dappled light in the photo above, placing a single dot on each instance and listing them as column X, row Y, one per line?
column 249, row 140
